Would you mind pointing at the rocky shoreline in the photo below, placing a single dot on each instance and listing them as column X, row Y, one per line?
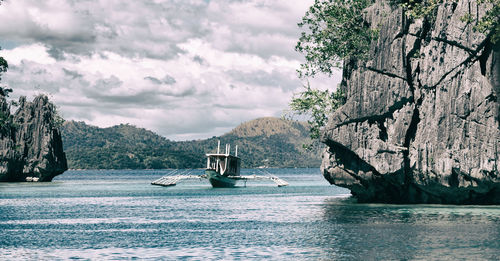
column 422, row 121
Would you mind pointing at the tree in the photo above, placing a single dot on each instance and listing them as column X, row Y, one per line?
column 5, row 117
column 490, row 23
column 317, row 104
column 3, row 65
column 335, row 30
column 3, row 68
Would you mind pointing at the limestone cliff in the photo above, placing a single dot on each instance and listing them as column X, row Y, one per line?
column 422, row 121
column 30, row 143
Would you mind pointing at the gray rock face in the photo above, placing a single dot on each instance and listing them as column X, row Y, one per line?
column 30, row 144
column 422, row 121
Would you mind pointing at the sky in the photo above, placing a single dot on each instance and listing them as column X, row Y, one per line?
column 184, row 69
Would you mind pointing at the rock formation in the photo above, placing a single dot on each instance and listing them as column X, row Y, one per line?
column 422, row 121
column 30, row 143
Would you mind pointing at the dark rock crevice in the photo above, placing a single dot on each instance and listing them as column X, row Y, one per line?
column 471, row 59
column 409, row 137
column 455, row 43
column 415, row 119
column 389, row 74
column 375, row 118
column 483, row 59
column 382, row 130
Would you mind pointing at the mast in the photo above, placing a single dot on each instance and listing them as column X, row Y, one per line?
column 228, row 150
column 217, row 161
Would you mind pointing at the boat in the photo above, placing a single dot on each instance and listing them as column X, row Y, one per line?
column 222, row 171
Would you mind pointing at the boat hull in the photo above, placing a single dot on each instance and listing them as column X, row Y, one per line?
column 219, row 181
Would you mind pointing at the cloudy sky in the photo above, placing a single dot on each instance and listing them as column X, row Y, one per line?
column 186, row 69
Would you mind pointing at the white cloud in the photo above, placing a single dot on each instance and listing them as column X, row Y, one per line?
column 34, row 53
column 185, row 69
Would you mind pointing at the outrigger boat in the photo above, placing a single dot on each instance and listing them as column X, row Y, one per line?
column 223, row 171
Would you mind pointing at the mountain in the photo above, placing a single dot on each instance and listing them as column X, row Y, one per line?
column 269, row 142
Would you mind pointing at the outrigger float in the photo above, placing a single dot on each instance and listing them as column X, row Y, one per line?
column 223, row 171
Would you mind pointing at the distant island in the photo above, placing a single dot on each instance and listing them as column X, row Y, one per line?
column 263, row 142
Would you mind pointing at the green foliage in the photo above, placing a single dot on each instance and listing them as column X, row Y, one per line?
column 336, row 30
column 3, row 68
column 5, row 117
column 57, row 118
column 489, row 24
column 317, row 105
column 420, row 8
column 263, row 142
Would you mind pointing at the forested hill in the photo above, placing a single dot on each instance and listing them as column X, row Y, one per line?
column 269, row 142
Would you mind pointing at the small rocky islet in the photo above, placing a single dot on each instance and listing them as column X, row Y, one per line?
column 31, row 147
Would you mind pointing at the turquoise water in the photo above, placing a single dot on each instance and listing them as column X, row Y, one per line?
column 116, row 215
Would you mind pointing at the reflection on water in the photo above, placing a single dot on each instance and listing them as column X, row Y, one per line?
column 412, row 231
column 118, row 215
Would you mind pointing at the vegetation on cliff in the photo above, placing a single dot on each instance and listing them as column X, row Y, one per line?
column 337, row 31
column 3, row 66
column 5, row 119
column 269, row 142
column 333, row 31
column 489, row 24
column 316, row 104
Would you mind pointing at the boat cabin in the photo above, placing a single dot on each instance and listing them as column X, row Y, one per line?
column 224, row 164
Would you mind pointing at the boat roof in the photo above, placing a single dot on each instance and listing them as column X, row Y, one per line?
column 220, row 155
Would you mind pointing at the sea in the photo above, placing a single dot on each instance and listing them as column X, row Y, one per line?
column 119, row 215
